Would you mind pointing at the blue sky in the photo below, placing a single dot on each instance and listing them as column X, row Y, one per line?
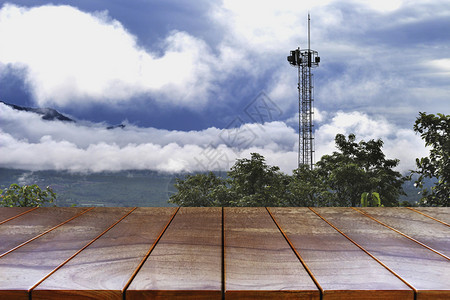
column 188, row 80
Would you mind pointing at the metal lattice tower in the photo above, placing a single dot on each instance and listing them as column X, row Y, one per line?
column 305, row 60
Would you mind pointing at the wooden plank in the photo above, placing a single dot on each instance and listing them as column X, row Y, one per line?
column 7, row 213
column 342, row 269
column 440, row 213
column 103, row 269
column 259, row 263
column 25, row 227
column 426, row 271
column 187, row 261
column 21, row 269
column 419, row 227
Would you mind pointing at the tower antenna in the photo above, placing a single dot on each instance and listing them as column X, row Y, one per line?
column 309, row 32
column 305, row 60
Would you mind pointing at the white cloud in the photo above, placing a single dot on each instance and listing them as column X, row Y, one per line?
column 384, row 5
column 72, row 56
column 173, row 157
column 442, row 66
column 399, row 143
column 28, row 142
column 264, row 26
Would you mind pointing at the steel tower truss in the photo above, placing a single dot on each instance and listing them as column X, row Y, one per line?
column 305, row 60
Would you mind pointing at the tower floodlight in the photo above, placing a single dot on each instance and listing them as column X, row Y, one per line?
column 305, row 60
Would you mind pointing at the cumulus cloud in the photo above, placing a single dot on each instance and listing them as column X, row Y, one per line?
column 28, row 142
column 70, row 56
column 371, row 56
column 399, row 143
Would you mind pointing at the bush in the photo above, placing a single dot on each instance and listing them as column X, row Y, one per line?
column 26, row 196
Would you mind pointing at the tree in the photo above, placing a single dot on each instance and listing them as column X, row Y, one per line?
column 200, row 190
column 359, row 168
column 27, row 195
column 308, row 188
column 254, row 183
column 250, row 182
column 340, row 179
column 435, row 130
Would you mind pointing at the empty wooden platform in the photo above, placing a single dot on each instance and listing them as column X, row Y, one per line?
column 224, row 253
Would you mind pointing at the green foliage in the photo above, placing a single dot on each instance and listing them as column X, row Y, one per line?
column 358, row 168
column 370, row 199
column 435, row 131
column 254, row 183
column 338, row 180
column 407, row 204
column 250, row 182
column 200, row 190
column 27, row 195
column 307, row 188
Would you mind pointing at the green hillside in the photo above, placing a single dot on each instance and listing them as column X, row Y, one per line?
column 125, row 188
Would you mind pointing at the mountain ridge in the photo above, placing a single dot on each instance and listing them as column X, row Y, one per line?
column 48, row 114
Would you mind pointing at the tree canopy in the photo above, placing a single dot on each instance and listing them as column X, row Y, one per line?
column 435, row 131
column 358, row 168
column 250, row 182
column 356, row 172
column 27, row 195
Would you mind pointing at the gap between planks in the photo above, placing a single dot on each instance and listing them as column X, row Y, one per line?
column 308, row 270
column 367, row 252
column 401, row 233
column 45, row 232
column 144, row 259
column 16, row 216
column 419, row 212
column 79, row 251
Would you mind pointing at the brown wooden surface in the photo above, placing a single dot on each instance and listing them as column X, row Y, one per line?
column 182, row 254
column 187, row 261
column 108, row 263
column 440, row 213
column 423, row 229
column 11, row 212
column 32, row 224
column 420, row 267
column 342, row 269
column 258, row 260
column 23, row 268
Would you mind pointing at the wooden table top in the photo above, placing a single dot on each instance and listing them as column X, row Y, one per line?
column 224, row 253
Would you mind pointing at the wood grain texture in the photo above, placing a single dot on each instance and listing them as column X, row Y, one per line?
column 108, row 263
column 77, row 295
column 266, row 295
column 420, row 267
column 24, row 267
column 187, row 258
column 423, row 229
column 31, row 224
column 258, row 260
column 433, row 295
column 186, row 263
column 174, row 294
column 342, row 269
column 10, row 212
column 368, row 295
column 440, row 213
